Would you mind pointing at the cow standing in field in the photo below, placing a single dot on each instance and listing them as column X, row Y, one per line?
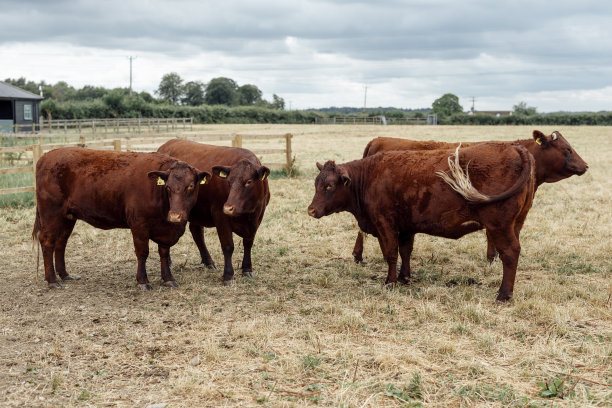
column 555, row 160
column 233, row 202
column 395, row 195
column 149, row 193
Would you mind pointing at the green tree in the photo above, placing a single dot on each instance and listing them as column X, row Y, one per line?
column 221, row 91
column 193, row 93
column 62, row 92
column 446, row 105
column 522, row 109
column 249, row 95
column 90, row 92
column 171, row 88
column 278, row 102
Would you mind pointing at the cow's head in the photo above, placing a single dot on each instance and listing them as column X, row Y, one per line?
column 247, row 182
column 181, row 182
column 555, row 158
column 332, row 191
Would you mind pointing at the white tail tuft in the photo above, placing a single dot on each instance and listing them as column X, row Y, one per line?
column 460, row 180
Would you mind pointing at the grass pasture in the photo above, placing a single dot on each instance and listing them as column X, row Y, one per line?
column 313, row 328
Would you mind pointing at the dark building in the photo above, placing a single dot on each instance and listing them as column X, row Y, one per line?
column 18, row 107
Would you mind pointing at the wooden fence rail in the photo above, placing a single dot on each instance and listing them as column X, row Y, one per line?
column 139, row 144
column 129, row 125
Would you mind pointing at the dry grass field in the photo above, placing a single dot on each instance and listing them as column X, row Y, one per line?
column 313, row 328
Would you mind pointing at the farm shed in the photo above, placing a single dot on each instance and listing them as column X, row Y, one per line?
column 17, row 107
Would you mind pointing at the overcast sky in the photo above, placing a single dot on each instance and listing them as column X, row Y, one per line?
column 551, row 55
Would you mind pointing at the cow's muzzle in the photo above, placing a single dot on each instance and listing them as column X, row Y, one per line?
column 175, row 217
column 229, row 209
column 312, row 212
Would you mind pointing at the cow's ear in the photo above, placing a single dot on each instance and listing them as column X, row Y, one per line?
column 319, row 166
column 203, row 177
column 221, row 171
column 160, row 176
column 263, row 172
column 540, row 138
column 345, row 179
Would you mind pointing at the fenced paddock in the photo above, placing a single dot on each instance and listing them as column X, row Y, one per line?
column 312, row 328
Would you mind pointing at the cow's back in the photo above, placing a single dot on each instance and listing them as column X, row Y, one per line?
column 385, row 144
column 205, row 156
column 98, row 187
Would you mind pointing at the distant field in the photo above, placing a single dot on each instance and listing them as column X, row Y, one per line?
column 312, row 327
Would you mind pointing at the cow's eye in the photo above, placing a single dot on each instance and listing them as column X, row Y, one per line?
column 248, row 183
column 328, row 187
column 190, row 187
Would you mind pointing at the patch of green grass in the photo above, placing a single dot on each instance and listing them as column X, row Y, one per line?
column 310, row 362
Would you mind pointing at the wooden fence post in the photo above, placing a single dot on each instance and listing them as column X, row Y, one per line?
column 36, row 153
column 288, row 137
column 238, row 139
column 117, row 145
column 82, row 141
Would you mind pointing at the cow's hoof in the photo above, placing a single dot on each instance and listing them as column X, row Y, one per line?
column 504, row 297
column 54, row 285
column 212, row 266
column 358, row 259
column 391, row 285
column 227, row 282
column 404, row 280
column 145, row 286
column 170, row 284
column 71, row 277
column 247, row 274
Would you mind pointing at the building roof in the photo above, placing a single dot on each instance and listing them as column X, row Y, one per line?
column 12, row 92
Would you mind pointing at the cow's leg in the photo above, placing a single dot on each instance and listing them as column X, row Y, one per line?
column 47, row 237
column 227, row 245
column 141, row 247
column 509, row 249
column 389, row 247
column 197, row 232
column 406, row 243
column 358, row 248
column 60, row 250
column 491, row 251
column 247, row 267
column 166, row 274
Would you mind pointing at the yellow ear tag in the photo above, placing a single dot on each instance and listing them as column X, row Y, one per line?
column 203, row 180
column 263, row 177
column 222, row 174
column 538, row 141
column 160, row 181
column 346, row 182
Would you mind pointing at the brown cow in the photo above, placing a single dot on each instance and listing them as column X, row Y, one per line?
column 149, row 193
column 395, row 195
column 555, row 160
column 234, row 201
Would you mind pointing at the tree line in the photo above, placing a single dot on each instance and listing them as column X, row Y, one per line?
column 222, row 100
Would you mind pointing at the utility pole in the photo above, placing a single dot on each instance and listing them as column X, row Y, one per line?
column 473, row 100
column 131, row 58
column 365, row 96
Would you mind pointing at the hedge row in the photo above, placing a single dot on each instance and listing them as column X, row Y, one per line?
column 568, row 119
column 117, row 106
column 136, row 107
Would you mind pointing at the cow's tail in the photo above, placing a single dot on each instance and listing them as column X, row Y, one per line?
column 35, row 240
column 459, row 180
